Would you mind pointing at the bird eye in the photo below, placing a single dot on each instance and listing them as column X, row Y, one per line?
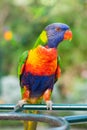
column 58, row 29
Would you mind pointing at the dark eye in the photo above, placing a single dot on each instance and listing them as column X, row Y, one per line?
column 58, row 29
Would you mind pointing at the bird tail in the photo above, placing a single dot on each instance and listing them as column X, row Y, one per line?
column 30, row 125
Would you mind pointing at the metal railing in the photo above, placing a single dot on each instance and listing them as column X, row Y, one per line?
column 58, row 123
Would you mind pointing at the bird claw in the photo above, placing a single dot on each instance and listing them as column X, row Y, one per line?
column 19, row 104
column 49, row 104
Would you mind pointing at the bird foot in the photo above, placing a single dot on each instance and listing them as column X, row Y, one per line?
column 49, row 104
column 19, row 104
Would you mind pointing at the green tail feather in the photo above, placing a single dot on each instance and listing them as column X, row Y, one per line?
column 30, row 125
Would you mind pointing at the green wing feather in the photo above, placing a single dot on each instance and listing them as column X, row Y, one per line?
column 22, row 61
column 59, row 61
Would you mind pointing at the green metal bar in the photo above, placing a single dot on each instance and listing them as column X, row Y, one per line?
column 66, row 107
column 76, row 119
column 7, row 106
column 57, row 123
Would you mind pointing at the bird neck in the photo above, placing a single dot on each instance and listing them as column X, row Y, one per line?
column 42, row 39
column 52, row 43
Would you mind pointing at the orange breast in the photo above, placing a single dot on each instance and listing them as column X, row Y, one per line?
column 42, row 61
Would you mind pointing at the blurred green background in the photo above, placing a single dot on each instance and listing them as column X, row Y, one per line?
column 21, row 22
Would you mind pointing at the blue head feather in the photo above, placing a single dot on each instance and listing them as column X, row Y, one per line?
column 55, row 34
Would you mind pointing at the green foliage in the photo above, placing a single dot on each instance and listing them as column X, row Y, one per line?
column 27, row 20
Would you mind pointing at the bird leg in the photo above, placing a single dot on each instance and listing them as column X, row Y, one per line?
column 46, row 97
column 19, row 104
column 25, row 98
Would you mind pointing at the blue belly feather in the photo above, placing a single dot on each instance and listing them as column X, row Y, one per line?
column 37, row 84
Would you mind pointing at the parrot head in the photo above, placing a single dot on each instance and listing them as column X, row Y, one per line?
column 57, row 32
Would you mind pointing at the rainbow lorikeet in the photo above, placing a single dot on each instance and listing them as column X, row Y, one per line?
column 39, row 68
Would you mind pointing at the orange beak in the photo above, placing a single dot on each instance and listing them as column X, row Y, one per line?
column 68, row 35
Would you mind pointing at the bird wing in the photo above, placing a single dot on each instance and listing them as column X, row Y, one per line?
column 58, row 70
column 21, row 63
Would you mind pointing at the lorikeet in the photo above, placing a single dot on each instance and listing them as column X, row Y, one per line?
column 39, row 68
